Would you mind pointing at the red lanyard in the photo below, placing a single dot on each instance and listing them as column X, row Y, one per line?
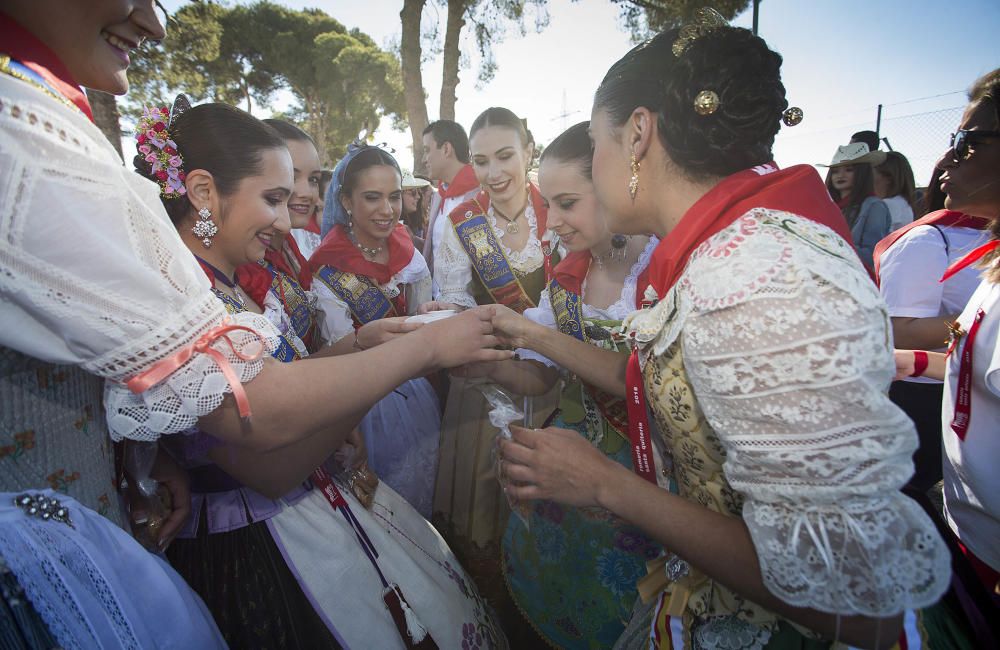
column 638, row 420
column 963, row 396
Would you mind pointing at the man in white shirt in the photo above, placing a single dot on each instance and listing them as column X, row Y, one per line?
column 446, row 155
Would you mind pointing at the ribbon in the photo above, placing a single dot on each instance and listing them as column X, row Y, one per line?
column 638, row 420
column 164, row 368
column 963, row 395
column 971, row 258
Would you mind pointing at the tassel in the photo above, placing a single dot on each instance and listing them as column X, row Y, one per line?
column 411, row 630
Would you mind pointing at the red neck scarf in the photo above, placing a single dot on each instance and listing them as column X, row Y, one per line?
column 339, row 252
column 25, row 47
column 798, row 190
column 464, row 181
column 280, row 261
column 936, row 218
column 313, row 225
column 572, row 271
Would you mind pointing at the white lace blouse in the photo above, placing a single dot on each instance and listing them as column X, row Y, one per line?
column 787, row 346
column 93, row 273
column 337, row 322
column 453, row 270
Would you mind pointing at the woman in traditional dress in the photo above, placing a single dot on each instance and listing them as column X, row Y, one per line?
column 366, row 270
column 573, row 571
column 764, row 361
column 306, row 202
column 292, row 572
column 490, row 252
column 103, row 288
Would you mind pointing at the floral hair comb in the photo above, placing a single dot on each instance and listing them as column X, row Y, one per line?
column 152, row 136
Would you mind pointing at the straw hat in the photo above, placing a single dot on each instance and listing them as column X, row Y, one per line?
column 855, row 153
column 410, row 181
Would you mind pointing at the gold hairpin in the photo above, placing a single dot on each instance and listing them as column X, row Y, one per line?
column 792, row 116
column 706, row 102
column 705, row 20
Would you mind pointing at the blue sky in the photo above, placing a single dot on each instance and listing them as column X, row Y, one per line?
column 842, row 59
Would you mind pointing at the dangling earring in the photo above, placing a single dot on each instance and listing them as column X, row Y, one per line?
column 205, row 228
column 350, row 221
column 633, row 184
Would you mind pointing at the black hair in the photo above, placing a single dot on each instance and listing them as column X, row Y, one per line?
column 862, row 187
column 497, row 116
column 369, row 157
column 289, row 131
column 729, row 61
column 934, row 196
column 869, row 138
column 451, row 132
column 221, row 139
column 573, row 145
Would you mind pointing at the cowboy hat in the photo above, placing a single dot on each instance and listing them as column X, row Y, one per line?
column 855, row 153
column 410, row 181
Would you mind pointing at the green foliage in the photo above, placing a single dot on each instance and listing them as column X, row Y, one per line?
column 339, row 78
column 643, row 18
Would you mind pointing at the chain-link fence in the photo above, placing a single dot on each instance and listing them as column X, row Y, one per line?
column 920, row 135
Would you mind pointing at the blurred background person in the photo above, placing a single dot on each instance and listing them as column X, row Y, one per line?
column 852, row 186
column 894, row 184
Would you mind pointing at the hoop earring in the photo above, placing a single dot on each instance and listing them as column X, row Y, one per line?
column 205, row 228
column 633, row 183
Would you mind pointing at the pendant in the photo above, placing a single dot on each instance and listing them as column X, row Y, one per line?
column 512, row 228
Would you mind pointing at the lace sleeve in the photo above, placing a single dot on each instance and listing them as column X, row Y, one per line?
column 337, row 320
column 792, row 372
column 94, row 274
column 452, row 269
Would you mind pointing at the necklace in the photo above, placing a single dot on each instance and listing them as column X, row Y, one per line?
column 511, row 226
column 370, row 253
column 616, row 252
column 223, row 278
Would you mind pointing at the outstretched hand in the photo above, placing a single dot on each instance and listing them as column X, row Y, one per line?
column 509, row 326
column 464, row 338
column 556, row 465
column 380, row 331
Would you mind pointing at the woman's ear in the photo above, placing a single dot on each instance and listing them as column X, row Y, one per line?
column 345, row 202
column 201, row 190
column 640, row 131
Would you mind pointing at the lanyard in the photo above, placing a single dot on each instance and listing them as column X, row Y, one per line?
column 963, row 396
column 638, row 420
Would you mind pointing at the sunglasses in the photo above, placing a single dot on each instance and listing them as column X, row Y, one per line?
column 960, row 142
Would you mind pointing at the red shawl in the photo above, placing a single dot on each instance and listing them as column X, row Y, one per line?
column 936, row 218
column 25, row 47
column 464, row 181
column 798, row 190
column 572, row 270
column 339, row 252
column 280, row 261
column 256, row 279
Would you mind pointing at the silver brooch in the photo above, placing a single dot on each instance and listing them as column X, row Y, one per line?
column 43, row 507
column 676, row 569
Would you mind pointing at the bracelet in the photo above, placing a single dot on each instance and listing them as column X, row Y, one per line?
column 356, row 343
column 920, row 362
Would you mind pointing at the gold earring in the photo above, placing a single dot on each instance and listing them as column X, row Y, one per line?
column 633, row 184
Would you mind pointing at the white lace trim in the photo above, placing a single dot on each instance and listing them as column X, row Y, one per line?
column 195, row 389
column 528, row 258
column 786, row 343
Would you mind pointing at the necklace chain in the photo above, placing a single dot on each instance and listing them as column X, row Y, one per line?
column 368, row 252
column 511, row 226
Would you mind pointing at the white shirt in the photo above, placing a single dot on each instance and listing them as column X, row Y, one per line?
column 438, row 229
column 911, row 268
column 307, row 241
column 900, row 212
column 971, row 479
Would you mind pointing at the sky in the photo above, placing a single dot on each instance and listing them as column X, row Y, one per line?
column 841, row 60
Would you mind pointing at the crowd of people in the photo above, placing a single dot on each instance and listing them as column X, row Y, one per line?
column 656, row 392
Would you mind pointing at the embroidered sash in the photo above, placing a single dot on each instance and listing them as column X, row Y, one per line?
column 295, row 300
column 285, row 352
column 488, row 260
column 568, row 310
column 363, row 297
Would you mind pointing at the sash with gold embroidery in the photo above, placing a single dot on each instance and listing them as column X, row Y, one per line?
column 567, row 307
column 363, row 297
column 491, row 265
column 295, row 300
column 285, row 352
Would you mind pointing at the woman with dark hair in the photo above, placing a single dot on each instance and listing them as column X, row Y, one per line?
column 971, row 373
column 572, row 571
column 416, row 205
column 368, row 273
column 851, row 183
column 763, row 359
column 894, row 184
column 268, row 552
column 306, row 202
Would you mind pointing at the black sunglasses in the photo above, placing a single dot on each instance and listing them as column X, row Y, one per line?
column 960, row 142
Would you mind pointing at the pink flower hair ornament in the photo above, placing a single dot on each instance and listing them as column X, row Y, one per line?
column 157, row 149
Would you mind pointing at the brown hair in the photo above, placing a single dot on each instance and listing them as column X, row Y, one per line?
column 987, row 89
column 897, row 170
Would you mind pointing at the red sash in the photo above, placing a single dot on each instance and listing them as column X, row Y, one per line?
column 937, row 218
